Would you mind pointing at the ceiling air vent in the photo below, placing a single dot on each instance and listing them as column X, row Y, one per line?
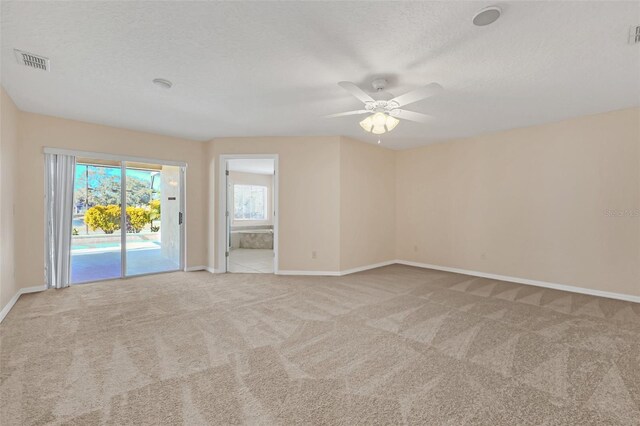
column 31, row 60
column 634, row 35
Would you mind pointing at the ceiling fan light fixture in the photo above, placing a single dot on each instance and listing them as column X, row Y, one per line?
column 378, row 130
column 391, row 123
column 367, row 123
column 379, row 123
column 379, row 119
column 383, row 112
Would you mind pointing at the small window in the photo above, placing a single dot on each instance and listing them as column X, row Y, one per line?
column 249, row 202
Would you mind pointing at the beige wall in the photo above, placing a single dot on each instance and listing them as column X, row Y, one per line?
column 39, row 131
column 367, row 204
column 8, row 190
column 539, row 203
column 309, row 205
column 532, row 203
column 335, row 199
column 243, row 178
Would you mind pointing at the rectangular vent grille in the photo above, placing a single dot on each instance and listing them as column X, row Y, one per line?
column 634, row 35
column 31, row 60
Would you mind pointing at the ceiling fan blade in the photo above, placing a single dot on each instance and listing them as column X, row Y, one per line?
column 355, row 91
column 403, row 114
column 342, row 114
column 418, row 94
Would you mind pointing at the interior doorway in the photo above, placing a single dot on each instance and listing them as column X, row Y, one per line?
column 249, row 209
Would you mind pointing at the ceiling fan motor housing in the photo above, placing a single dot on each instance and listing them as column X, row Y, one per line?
column 381, row 106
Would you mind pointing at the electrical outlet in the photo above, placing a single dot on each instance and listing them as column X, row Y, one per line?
column 314, row 255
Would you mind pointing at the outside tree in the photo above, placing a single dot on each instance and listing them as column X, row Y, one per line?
column 103, row 184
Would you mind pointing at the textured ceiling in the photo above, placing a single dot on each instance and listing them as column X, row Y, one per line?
column 271, row 68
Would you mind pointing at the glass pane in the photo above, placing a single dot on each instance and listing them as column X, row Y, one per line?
column 250, row 202
column 152, row 217
column 96, row 239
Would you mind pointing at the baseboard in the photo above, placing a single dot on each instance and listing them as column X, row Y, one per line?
column 201, row 268
column 555, row 286
column 315, row 273
column 338, row 273
column 14, row 299
column 367, row 267
column 563, row 287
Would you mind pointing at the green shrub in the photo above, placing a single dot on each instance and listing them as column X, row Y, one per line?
column 106, row 218
column 137, row 218
column 154, row 206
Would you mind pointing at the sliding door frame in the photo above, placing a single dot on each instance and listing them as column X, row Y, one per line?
column 113, row 157
column 123, row 159
column 123, row 219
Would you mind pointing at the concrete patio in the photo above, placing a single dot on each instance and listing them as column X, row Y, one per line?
column 94, row 261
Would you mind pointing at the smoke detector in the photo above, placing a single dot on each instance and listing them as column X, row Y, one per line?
column 161, row 82
column 634, row 34
column 486, row 16
column 30, row 60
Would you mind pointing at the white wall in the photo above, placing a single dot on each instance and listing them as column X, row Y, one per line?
column 9, row 285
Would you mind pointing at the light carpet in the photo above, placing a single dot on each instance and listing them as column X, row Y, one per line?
column 395, row 345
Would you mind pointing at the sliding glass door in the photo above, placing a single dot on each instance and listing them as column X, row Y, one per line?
column 96, row 243
column 153, row 217
column 144, row 237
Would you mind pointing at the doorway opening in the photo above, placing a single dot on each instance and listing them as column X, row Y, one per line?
column 145, row 237
column 249, row 195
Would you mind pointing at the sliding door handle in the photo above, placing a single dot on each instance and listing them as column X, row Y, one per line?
column 180, row 218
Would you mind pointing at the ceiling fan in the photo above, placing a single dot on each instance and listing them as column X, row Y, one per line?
column 384, row 109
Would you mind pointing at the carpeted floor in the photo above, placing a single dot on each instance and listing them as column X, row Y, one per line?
column 388, row 346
